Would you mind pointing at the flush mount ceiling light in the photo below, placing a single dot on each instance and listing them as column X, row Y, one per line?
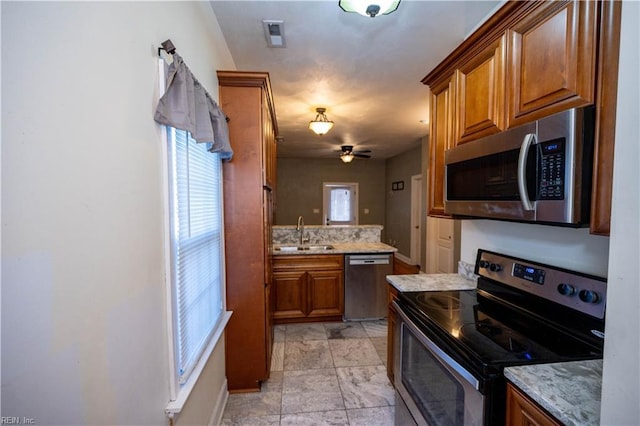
column 321, row 125
column 370, row 8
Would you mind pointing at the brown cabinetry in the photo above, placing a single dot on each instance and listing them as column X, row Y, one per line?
column 522, row 411
column 552, row 60
column 391, row 331
column 529, row 60
column 480, row 96
column 248, row 216
column 308, row 288
column 440, row 139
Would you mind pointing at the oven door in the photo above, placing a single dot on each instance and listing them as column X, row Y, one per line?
column 435, row 388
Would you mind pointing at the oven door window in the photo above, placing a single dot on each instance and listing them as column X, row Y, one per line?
column 438, row 394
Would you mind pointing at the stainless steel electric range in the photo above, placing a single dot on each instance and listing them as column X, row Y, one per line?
column 452, row 346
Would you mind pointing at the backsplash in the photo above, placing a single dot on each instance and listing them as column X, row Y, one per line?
column 320, row 234
column 467, row 270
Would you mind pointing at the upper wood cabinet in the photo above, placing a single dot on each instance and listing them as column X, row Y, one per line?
column 552, row 60
column 480, row 84
column 440, row 139
column 529, row 60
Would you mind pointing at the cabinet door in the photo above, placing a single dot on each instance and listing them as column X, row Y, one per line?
column 480, row 96
column 391, row 329
column 552, row 60
column 521, row 411
column 290, row 295
column 441, row 127
column 326, row 293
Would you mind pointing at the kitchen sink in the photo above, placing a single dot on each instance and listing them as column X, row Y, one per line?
column 305, row 247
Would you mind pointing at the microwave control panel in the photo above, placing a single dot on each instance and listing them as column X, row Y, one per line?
column 552, row 163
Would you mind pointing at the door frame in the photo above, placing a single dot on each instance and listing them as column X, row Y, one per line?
column 416, row 219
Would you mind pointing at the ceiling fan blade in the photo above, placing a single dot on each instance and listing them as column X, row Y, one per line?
column 363, row 151
column 356, row 154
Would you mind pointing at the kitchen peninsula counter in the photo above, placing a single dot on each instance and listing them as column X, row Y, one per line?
column 570, row 391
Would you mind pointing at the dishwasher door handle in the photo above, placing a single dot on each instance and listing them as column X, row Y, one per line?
column 369, row 262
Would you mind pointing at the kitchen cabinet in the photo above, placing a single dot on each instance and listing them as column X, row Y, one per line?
column 552, row 60
column 391, row 331
column 480, row 96
column 246, row 99
column 440, row 139
column 522, row 411
column 556, row 56
column 308, row 288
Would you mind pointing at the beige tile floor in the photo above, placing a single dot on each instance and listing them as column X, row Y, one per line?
column 321, row 374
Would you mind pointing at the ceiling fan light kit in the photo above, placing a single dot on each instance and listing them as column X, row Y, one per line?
column 370, row 8
column 348, row 154
column 346, row 157
column 321, row 124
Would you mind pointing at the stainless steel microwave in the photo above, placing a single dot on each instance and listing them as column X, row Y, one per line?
column 537, row 172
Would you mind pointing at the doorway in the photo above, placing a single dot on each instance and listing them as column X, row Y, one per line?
column 340, row 203
column 416, row 215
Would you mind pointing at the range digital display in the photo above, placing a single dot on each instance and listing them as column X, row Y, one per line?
column 529, row 273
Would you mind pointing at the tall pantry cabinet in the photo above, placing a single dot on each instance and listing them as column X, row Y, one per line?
column 249, row 185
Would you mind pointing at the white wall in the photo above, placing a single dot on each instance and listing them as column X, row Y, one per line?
column 565, row 247
column 83, row 296
column 621, row 375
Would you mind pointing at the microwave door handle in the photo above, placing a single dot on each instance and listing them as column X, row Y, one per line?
column 522, row 171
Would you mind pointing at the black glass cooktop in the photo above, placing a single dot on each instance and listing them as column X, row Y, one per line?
column 489, row 334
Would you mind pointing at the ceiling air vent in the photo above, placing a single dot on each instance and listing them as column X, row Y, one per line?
column 274, row 32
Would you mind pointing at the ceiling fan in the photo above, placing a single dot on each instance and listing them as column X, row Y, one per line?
column 348, row 154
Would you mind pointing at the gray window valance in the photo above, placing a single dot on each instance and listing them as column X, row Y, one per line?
column 186, row 105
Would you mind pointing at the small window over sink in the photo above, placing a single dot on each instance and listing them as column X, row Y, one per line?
column 340, row 203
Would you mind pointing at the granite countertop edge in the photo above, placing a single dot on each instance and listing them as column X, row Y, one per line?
column 431, row 282
column 338, row 248
column 570, row 391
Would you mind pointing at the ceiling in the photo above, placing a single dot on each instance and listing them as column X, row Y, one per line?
column 365, row 71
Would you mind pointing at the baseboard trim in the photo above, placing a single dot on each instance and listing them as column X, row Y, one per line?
column 221, row 402
column 404, row 259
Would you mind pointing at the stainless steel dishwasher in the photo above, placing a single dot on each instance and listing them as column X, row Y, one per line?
column 365, row 285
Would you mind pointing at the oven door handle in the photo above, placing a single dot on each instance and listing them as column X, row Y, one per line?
column 522, row 171
column 436, row 351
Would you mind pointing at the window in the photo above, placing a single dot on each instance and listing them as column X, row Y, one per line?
column 196, row 254
column 340, row 203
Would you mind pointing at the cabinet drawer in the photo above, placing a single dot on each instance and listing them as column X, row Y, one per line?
column 319, row 262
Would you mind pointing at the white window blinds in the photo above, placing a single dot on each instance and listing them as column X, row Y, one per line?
column 195, row 183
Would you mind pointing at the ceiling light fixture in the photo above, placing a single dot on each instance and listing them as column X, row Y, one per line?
column 321, row 125
column 370, row 8
column 346, row 157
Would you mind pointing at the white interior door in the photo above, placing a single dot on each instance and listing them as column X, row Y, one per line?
column 441, row 240
column 416, row 231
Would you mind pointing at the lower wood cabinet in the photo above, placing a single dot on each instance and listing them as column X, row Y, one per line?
column 308, row 288
column 391, row 330
column 522, row 411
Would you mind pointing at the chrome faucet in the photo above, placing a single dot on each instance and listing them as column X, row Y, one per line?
column 300, row 228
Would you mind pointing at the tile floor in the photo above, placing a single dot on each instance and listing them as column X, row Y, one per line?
column 321, row 374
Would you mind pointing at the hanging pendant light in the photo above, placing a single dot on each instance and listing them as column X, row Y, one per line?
column 321, row 124
column 370, row 8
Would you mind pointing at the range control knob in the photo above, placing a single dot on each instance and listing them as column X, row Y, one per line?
column 483, row 264
column 589, row 296
column 566, row 289
column 494, row 267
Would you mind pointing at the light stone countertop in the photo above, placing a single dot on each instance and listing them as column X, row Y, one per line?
column 339, row 248
column 431, row 282
column 570, row 391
